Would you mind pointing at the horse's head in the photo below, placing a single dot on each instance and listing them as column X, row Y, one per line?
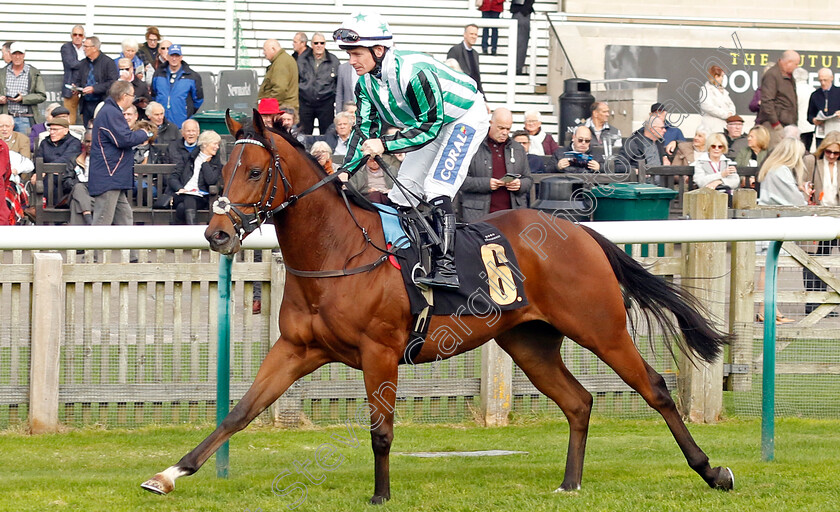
column 253, row 182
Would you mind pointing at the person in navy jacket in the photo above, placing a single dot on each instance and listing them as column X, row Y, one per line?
column 111, row 174
column 178, row 88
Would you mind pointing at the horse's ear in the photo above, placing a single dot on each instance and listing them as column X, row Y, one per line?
column 259, row 125
column 233, row 125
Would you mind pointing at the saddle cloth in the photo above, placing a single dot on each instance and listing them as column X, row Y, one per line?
column 487, row 269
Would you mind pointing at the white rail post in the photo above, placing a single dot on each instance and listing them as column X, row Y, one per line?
column 496, row 384
column 47, row 326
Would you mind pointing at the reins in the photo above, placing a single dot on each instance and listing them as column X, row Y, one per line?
column 245, row 223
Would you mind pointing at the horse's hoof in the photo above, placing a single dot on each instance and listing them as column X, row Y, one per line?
column 379, row 500
column 159, row 484
column 567, row 488
column 725, row 480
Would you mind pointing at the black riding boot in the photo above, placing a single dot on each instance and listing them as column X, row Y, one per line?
column 189, row 216
column 443, row 273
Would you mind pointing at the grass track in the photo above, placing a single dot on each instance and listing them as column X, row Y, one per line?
column 630, row 466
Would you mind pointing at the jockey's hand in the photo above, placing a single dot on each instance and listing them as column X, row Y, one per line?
column 373, row 147
column 514, row 185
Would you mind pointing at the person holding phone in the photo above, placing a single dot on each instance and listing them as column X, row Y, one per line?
column 499, row 177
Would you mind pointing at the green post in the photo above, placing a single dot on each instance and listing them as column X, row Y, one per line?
column 223, row 362
column 768, row 377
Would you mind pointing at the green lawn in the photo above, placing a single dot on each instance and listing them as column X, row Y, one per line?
column 630, row 466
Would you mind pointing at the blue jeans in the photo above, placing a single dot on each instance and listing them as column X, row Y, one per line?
column 23, row 125
column 489, row 33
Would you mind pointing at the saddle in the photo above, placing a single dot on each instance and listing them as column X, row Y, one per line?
column 490, row 278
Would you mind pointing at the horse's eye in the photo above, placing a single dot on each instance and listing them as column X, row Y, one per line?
column 255, row 173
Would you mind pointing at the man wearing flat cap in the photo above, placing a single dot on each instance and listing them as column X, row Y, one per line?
column 21, row 90
column 735, row 136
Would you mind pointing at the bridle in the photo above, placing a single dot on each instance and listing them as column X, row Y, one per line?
column 245, row 223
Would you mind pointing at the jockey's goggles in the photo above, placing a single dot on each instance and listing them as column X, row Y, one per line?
column 346, row 35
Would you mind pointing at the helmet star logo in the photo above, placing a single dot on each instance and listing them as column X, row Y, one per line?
column 360, row 17
column 384, row 28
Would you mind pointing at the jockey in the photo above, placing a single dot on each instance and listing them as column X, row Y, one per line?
column 442, row 120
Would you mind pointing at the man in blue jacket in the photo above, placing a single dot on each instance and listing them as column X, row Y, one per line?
column 177, row 88
column 111, row 174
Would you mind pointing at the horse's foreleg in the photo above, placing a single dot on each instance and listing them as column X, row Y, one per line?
column 282, row 366
column 381, row 373
column 536, row 349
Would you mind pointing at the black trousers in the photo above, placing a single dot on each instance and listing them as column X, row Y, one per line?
column 323, row 111
column 185, row 202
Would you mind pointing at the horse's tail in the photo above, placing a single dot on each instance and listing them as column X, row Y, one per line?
column 655, row 295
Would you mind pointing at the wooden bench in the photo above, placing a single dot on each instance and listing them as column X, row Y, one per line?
column 150, row 179
column 680, row 178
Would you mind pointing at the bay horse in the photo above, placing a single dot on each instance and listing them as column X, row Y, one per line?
column 573, row 283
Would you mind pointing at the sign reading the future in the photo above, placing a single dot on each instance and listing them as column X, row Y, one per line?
column 686, row 70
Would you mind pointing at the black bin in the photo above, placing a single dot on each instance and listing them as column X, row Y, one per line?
column 564, row 196
column 574, row 106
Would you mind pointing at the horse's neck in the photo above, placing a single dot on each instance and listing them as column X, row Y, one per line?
column 317, row 232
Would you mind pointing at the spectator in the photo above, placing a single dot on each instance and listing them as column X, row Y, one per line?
column 167, row 132
column 192, row 181
column 180, row 150
column 299, row 45
column 826, row 193
column 322, row 152
column 72, row 56
column 177, row 87
column 142, row 97
column 499, row 177
column 672, row 134
column 131, row 116
column 281, row 75
column 15, row 141
column 804, row 90
column 521, row 11
column 345, row 89
column 782, row 176
column 42, row 127
column 148, row 51
column 645, row 145
column 712, row 169
column 542, row 143
column 130, row 48
column 490, row 36
column 318, row 70
column 76, row 130
column 60, row 145
column 146, row 152
column 7, row 55
column 715, row 103
column 735, row 138
column 581, row 143
column 464, row 52
column 111, row 171
column 350, row 106
column 74, row 181
column 688, row 152
column 344, row 122
column 15, row 194
column 779, row 104
column 756, row 151
column 5, row 177
column 825, row 100
column 537, row 164
column 269, row 110
column 163, row 55
column 95, row 76
column 373, row 182
column 290, row 121
column 598, row 123
column 24, row 89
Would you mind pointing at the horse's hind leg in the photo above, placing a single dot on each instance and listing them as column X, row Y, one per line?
column 623, row 357
column 536, row 349
column 282, row 366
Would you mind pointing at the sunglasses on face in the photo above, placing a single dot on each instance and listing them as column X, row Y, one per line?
column 716, row 146
column 832, row 153
column 78, row 35
column 318, row 43
column 582, row 141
